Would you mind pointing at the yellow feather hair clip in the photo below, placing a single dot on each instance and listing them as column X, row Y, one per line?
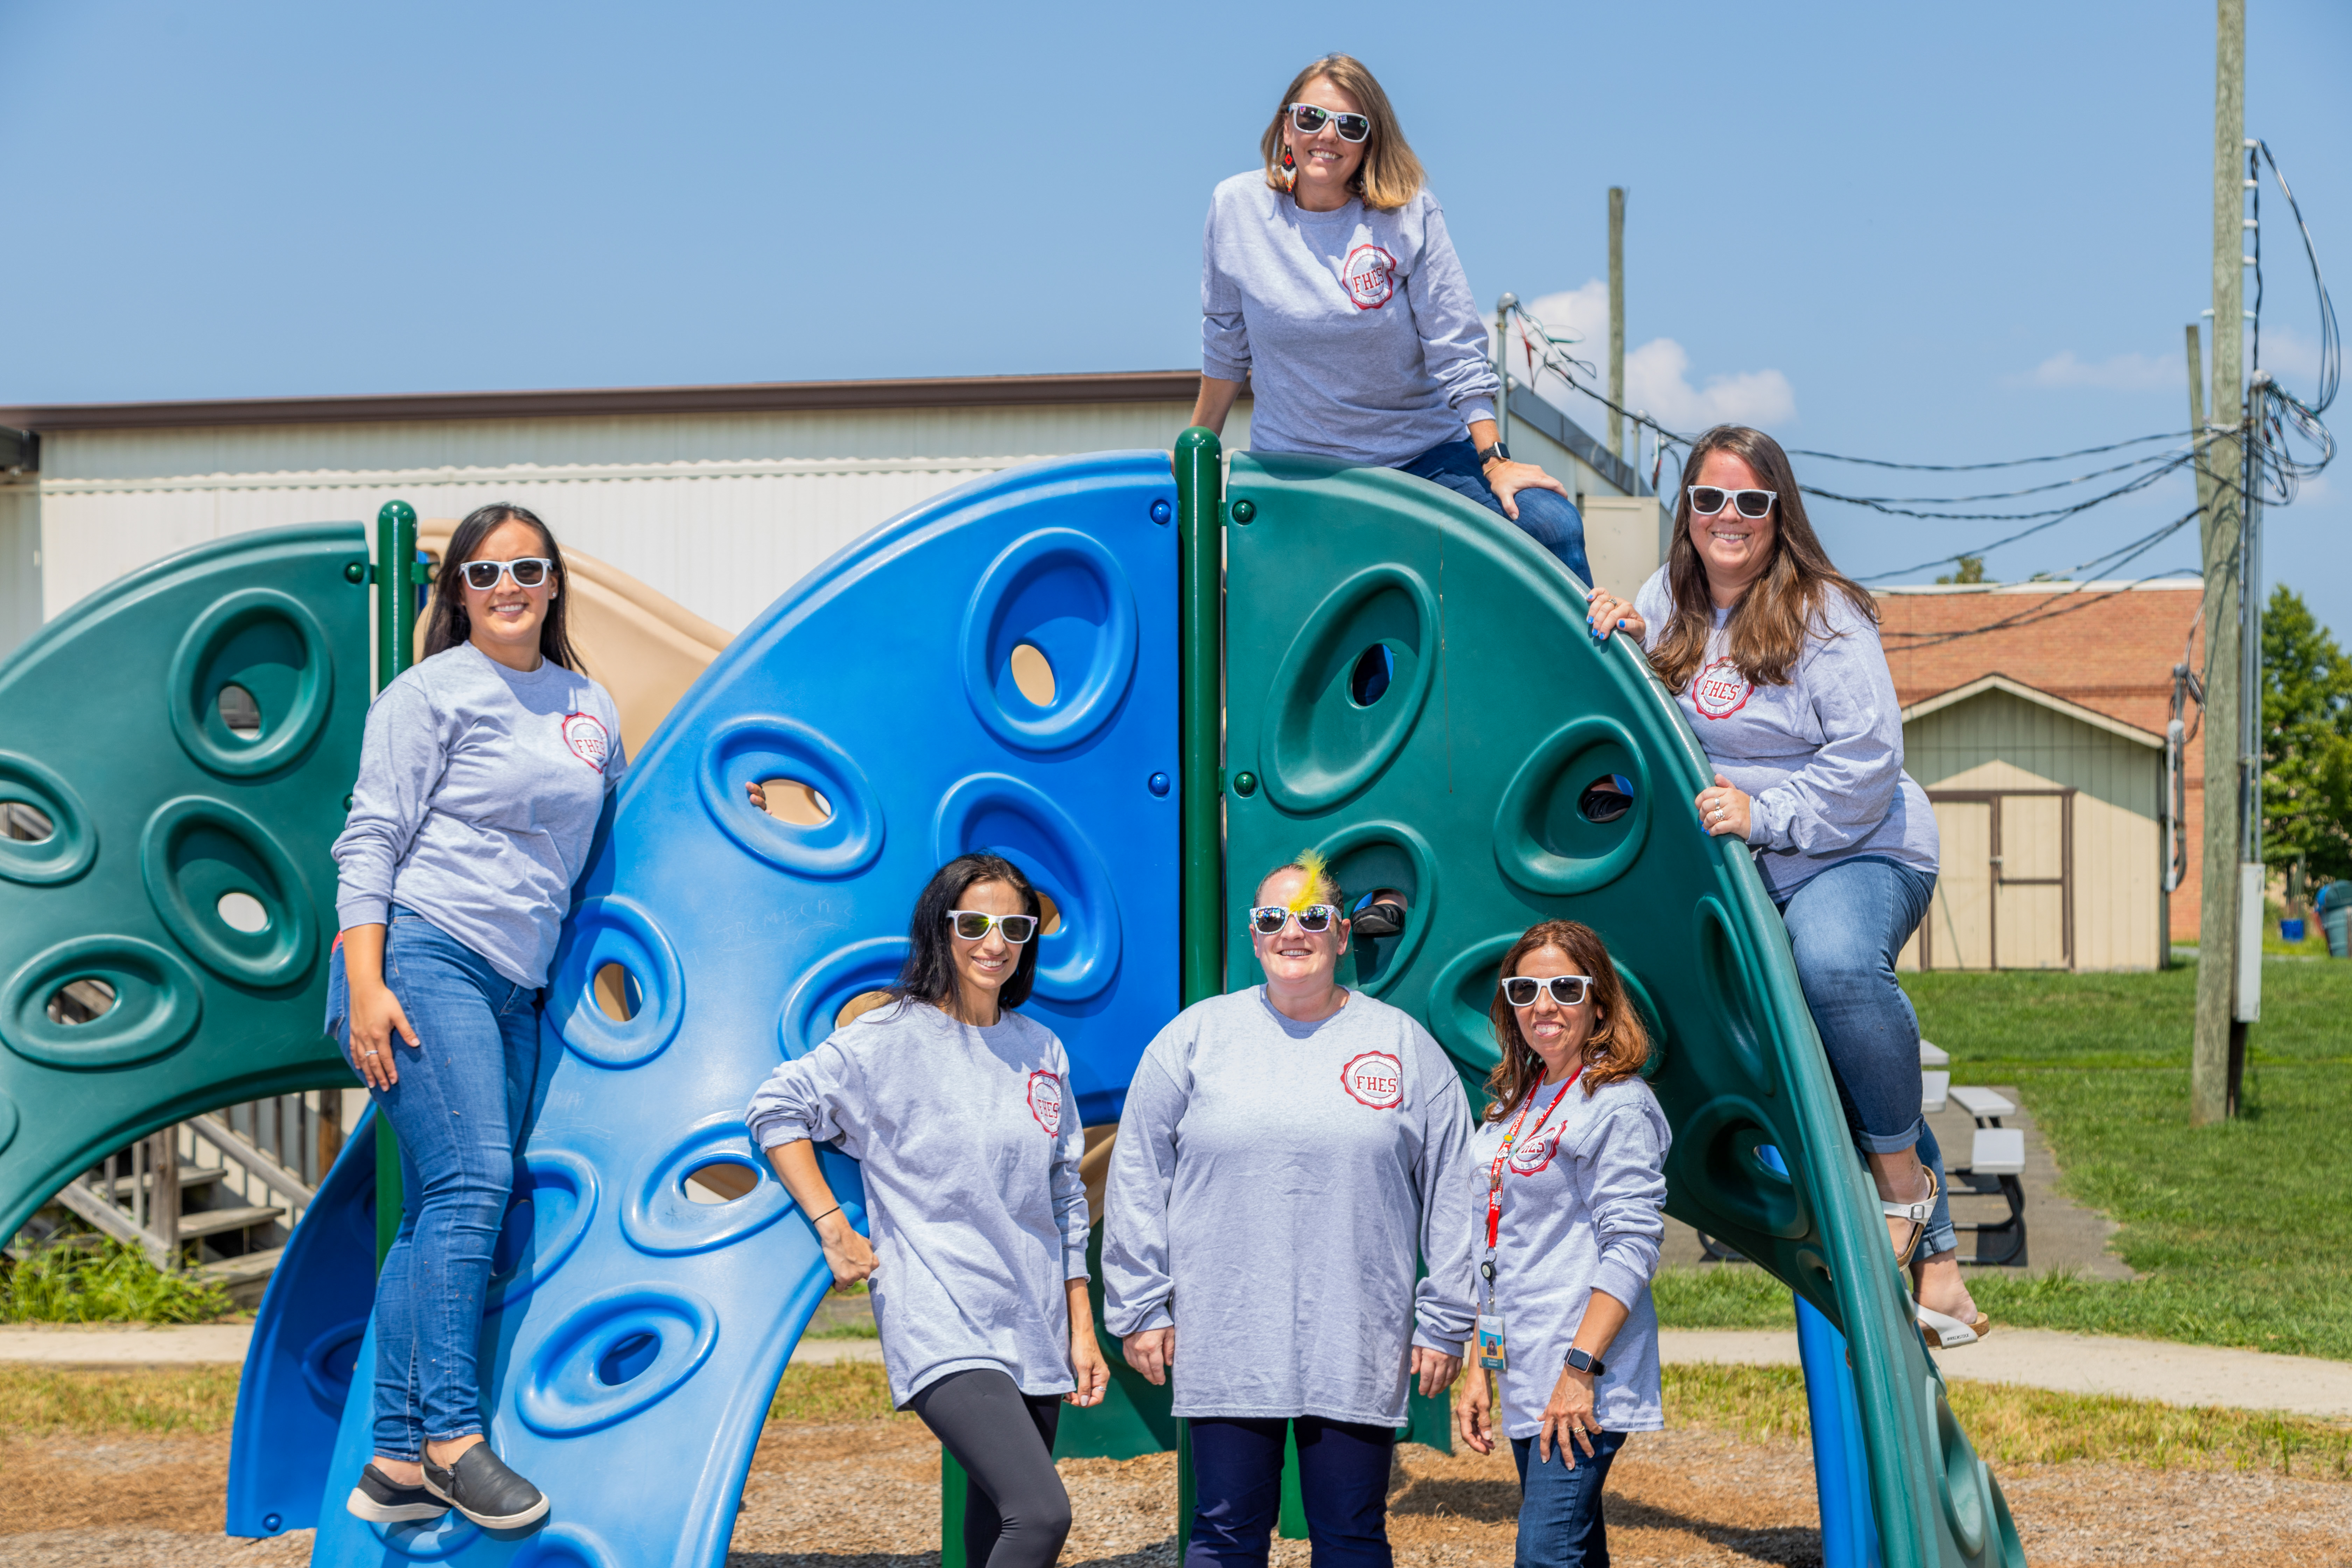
column 1318, row 872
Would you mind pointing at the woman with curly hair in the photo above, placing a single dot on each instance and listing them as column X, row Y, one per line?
column 1572, row 1154
column 1773, row 654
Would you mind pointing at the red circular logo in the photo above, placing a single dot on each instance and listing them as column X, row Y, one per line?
column 1375, row 1079
column 1045, row 1100
column 1369, row 277
column 585, row 734
column 1719, row 690
column 1530, row 1157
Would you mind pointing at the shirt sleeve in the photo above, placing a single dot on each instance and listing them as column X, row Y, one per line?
column 1444, row 1304
column 1841, row 795
column 808, row 1097
column 401, row 759
column 1623, row 1172
column 1453, row 343
column 1655, row 604
column 1069, row 1186
column 1137, row 1290
column 1224, row 335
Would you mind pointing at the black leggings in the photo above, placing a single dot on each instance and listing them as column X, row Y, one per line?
column 1015, row 1512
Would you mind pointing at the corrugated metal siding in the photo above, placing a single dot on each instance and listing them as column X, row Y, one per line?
column 20, row 564
column 2001, row 741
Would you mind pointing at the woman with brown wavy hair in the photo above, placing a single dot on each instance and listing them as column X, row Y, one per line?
column 1773, row 655
column 1573, row 1150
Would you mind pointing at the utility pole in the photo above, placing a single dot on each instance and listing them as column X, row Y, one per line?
column 2217, row 1029
column 1616, row 317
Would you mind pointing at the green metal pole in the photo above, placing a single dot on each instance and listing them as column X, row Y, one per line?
column 395, row 650
column 1199, row 654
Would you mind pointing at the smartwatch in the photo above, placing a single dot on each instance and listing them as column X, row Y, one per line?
column 1494, row 453
column 1582, row 1362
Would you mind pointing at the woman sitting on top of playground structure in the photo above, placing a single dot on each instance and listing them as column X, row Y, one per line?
column 1286, row 1153
column 1576, row 1200
column 1774, row 655
column 1328, row 279
column 960, row 1111
column 482, row 775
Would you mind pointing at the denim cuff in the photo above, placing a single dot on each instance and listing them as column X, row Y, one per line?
column 1890, row 1142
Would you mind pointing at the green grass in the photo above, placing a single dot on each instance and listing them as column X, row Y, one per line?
column 37, row 1400
column 2241, row 1230
column 2315, row 940
column 96, row 1279
column 2012, row 1426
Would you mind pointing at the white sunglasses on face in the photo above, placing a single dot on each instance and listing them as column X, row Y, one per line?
column 1568, row 990
column 1707, row 499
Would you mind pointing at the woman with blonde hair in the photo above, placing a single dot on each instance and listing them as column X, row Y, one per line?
column 1328, row 281
column 1571, row 1157
column 1773, row 655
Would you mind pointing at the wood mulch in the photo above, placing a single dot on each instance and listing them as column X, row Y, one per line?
column 869, row 1491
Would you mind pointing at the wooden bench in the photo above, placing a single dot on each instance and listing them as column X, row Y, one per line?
column 1996, row 1161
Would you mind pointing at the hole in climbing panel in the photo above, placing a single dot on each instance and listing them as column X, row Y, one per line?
column 1606, row 798
column 1049, row 913
column 239, row 712
column 627, row 1358
column 858, row 1006
column 1032, row 674
column 79, row 1001
column 618, row 996
column 25, row 823
column 790, row 800
column 242, row 912
column 1348, row 689
column 721, row 1182
column 1374, row 670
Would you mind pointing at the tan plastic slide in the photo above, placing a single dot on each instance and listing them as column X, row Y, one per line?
column 645, row 647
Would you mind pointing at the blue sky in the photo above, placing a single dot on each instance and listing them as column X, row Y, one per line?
column 1930, row 234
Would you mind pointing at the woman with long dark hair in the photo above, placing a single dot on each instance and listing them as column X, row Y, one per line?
column 483, row 773
column 1773, row 654
column 1573, row 1191
column 1329, row 283
column 959, row 1112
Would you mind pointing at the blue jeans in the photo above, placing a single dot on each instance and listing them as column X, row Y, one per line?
column 1559, row 1508
column 1343, row 1480
column 1846, row 926
column 1546, row 517
column 458, row 1110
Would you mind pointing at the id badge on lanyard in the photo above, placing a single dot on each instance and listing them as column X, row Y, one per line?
column 1493, row 1354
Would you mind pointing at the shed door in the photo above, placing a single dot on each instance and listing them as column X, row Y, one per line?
column 1957, row 931
column 2030, row 855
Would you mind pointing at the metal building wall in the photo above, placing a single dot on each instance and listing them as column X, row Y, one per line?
column 721, row 513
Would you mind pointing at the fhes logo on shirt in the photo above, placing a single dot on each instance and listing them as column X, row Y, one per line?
column 1046, row 1101
column 1529, row 1158
column 1375, row 1079
column 1369, row 277
column 1719, row 690
column 586, row 735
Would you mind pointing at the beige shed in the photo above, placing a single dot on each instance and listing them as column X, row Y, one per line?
column 2051, row 844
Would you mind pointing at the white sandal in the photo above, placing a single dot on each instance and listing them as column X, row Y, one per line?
column 1918, row 1214
column 1945, row 1333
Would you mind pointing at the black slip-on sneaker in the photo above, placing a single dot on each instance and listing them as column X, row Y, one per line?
column 380, row 1499
column 481, row 1487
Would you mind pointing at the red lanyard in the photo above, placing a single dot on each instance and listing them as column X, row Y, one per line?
column 1503, row 1154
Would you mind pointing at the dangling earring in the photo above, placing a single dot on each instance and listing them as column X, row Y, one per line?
column 1288, row 163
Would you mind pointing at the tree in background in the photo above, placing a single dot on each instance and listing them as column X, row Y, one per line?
column 2307, row 743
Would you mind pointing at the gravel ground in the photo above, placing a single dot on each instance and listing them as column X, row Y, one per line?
column 869, row 1491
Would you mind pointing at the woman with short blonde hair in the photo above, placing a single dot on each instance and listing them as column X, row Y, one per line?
column 1329, row 282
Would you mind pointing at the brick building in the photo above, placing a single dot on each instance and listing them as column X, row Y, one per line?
column 2034, row 714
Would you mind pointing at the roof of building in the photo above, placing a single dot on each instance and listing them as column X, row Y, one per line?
column 2018, row 688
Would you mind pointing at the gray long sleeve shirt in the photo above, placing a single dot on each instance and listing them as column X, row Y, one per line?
column 1273, row 1185
column 478, row 794
column 1355, row 328
column 1822, row 756
column 1583, row 1209
column 968, row 1143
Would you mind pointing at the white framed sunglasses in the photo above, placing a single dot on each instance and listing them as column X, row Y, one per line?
column 528, row 572
column 1267, row 920
column 1307, row 119
column 1708, row 500
column 971, row 925
column 1568, row 990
